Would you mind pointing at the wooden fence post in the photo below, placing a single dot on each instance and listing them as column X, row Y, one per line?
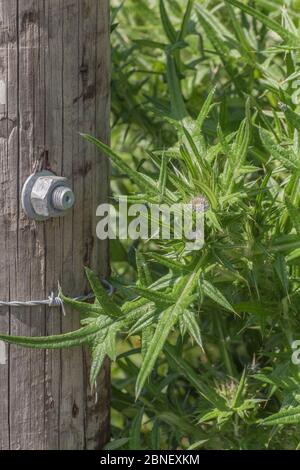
column 54, row 83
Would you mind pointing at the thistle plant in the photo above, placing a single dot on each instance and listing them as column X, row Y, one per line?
column 216, row 326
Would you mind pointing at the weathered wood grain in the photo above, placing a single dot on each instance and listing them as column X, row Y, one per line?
column 54, row 62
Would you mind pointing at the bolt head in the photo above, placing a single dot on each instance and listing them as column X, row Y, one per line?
column 37, row 196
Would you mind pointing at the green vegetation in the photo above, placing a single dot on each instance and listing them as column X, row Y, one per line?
column 206, row 92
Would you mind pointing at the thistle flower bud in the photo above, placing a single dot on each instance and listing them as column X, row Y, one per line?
column 200, row 203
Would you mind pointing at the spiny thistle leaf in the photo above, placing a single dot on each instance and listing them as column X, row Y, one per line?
column 141, row 180
column 213, row 293
column 168, row 27
column 178, row 109
column 67, row 340
column 166, row 322
column 109, row 307
column 283, row 417
column 282, row 32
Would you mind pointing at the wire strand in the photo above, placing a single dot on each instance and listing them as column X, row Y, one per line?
column 54, row 301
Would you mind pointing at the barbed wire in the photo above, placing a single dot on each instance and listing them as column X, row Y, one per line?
column 54, row 301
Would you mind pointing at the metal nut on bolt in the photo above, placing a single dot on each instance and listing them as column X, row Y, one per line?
column 46, row 195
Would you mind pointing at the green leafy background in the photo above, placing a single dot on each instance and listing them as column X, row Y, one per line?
column 203, row 102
